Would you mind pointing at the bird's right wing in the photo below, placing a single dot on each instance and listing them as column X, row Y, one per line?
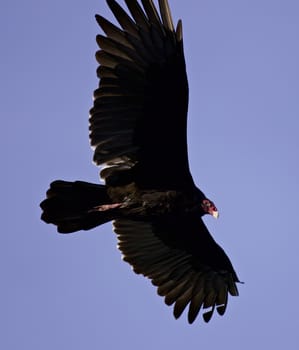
column 138, row 121
column 182, row 260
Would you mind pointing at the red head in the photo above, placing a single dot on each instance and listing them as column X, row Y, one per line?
column 209, row 208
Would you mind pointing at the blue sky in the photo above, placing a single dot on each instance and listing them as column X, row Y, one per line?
column 73, row 291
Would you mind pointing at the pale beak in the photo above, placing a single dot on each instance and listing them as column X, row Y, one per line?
column 215, row 214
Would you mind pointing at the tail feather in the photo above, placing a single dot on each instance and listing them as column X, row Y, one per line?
column 69, row 206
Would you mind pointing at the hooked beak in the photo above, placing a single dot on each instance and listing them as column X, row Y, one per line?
column 215, row 214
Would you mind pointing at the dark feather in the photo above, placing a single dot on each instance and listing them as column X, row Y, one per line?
column 166, row 15
column 123, row 19
column 138, row 15
column 195, row 305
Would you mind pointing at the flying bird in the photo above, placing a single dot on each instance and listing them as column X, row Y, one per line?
column 138, row 131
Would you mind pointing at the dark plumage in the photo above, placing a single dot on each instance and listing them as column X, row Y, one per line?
column 138, row 130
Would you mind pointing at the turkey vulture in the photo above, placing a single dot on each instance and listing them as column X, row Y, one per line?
column 138, row 132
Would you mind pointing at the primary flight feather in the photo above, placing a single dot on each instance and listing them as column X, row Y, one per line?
column 138, row 129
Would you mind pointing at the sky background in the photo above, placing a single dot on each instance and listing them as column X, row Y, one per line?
column 74, row 291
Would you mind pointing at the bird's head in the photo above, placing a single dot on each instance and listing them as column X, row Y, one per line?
column 209, row 208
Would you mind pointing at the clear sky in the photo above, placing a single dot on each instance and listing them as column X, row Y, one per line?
column 74, row 291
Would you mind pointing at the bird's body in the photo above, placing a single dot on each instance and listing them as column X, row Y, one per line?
column 138, row 128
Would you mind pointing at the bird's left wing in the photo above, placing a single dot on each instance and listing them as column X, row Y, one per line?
column 138, row 121
column 182, row 260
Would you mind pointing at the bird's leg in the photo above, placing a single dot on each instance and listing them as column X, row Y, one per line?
column 105, row 207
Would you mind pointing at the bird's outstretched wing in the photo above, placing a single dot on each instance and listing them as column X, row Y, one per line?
column 182, row 260
column 138, row 121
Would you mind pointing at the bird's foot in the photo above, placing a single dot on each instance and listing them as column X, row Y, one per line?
column 105, row 207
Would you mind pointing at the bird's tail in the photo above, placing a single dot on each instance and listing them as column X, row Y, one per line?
column 74, row 206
